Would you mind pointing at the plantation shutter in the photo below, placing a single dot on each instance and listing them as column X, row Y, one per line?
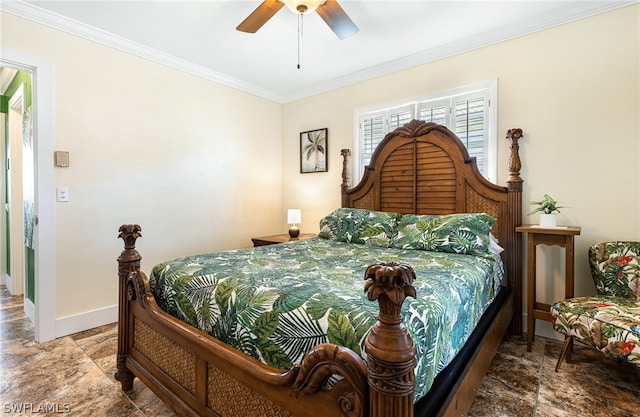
column 470, row 125
column 465, row 111
column 400, row 117
column 376, row 125
column 436, row 111
column 372, row 132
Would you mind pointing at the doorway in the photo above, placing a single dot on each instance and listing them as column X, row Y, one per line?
column 19, row 185
column 37, row 238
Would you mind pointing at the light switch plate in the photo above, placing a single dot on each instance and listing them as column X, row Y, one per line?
column 62, row 194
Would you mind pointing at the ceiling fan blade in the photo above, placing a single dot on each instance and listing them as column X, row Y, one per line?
column 334, row 16
column 260, row 16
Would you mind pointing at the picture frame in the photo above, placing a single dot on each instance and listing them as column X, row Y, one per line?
column 313, row 151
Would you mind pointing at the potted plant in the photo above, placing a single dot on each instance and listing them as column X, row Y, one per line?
column 548, row 207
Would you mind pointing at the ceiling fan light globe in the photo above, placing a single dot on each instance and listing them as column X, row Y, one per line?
column 303, row 6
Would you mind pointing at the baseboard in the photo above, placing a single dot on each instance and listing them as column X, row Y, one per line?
column 30, row 310
column 8, row 283
column 85, row 321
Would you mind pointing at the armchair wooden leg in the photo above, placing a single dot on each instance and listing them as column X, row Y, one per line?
column 566, row 351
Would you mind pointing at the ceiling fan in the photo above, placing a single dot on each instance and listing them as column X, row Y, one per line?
column 329, row 10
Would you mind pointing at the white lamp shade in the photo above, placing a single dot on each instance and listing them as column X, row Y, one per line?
column 294, row 216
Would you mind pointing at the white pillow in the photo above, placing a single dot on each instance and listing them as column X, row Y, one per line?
column 494, row 246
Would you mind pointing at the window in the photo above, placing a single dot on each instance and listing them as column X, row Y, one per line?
column 470, row 112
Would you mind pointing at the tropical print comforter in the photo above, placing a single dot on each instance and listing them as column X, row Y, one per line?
column 276, row 302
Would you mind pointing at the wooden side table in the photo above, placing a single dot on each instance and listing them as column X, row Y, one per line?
column 275, row 239
column 559, row 236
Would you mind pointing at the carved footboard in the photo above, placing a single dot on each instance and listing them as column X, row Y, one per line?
column 197, row 375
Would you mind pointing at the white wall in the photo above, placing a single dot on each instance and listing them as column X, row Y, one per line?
column 575, row 92
column 196, row 164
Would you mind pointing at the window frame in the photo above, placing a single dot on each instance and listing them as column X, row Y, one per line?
column 490, row 93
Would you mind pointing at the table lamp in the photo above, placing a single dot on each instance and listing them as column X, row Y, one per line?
column 294, row 216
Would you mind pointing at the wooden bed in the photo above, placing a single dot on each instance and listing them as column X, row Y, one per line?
column 419, row 168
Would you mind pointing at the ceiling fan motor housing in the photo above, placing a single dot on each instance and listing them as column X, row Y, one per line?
column 303, row 6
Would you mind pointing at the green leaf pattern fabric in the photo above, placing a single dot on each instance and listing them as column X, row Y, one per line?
column 466, row 233
column 359, row 226
column 276, row 302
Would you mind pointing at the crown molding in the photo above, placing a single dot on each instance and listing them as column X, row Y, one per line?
column 573, row 11
column 570, row 12
column 62, row 23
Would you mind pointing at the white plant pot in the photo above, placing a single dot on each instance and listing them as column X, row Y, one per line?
column 548, row 220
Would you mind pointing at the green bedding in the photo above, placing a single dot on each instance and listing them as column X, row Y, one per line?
column 276, row 302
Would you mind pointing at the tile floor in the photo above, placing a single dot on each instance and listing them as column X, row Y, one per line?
column 74, row 375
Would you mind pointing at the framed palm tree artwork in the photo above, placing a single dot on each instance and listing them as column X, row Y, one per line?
column 313, row 151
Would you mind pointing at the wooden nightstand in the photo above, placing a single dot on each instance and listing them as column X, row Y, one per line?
column 560, row 236
column 275, row 239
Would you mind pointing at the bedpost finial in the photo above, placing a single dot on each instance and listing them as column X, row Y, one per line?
column 129, row 233
column 346, row 175
column 514, row 165
column 516, row 132
column 394, row 281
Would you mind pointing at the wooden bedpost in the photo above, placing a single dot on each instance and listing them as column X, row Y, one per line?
column 390, row 349
column 514, row 257
column 128, row 261
column 346, row 176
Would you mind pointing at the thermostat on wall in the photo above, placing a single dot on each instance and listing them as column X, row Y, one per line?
column 61, row 158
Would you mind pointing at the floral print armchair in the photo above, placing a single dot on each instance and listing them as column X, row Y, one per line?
column 609, row 321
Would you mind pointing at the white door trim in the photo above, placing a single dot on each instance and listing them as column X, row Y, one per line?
column 16, row 280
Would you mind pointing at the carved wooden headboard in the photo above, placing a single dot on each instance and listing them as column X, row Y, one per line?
column 424, row 168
